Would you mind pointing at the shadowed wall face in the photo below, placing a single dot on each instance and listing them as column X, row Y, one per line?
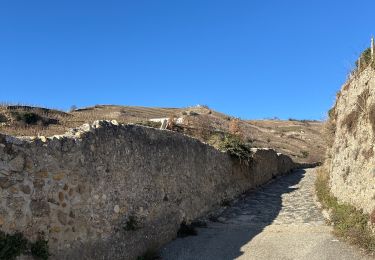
column 109, row 190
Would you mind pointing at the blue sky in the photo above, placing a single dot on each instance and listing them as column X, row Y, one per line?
column 251, row 59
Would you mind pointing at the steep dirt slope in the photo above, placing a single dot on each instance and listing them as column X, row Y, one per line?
column 350, row 157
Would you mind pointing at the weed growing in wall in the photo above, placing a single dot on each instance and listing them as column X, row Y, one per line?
column 233, row 145
column 14, row 245
column 131, row 224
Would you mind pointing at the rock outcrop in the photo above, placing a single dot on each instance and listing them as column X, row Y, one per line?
column 110, row 191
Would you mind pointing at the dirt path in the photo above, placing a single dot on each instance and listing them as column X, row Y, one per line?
column 278, row 221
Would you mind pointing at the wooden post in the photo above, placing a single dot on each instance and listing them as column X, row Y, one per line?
column 372, row 48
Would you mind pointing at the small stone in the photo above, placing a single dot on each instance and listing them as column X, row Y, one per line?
column 114, row 122
column 13, row 189
column 104, row 197
column 80, row 188
column 42, row 174
column 17, row 164
column 66, row 187
column 221, row 219
column 79, row 134
column 6, row 183
column 86, row 127
column 38, row 184
column 59, row 176
column 29, row 164
column 61, row 196
column 53, row 201
column 39, row 208
column 43, row 138
column 62, row 217
column 96, row 124
column 4, row 172
column 55, row 229
column 117, row 209
column 25, row 189
column 96, row 197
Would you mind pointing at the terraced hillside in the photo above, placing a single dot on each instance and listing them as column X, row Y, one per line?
column 299, row 139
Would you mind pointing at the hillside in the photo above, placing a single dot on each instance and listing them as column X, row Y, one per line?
column 299, row 139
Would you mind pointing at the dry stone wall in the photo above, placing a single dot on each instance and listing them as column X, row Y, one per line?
column 351, row 157
column 110, row 191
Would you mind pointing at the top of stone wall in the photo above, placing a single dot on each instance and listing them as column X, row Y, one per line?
column 79, row 133
column 73, row 133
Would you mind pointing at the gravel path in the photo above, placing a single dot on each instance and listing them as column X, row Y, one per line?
column 278, row 221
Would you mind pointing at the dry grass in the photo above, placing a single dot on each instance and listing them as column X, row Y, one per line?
column 349, row 223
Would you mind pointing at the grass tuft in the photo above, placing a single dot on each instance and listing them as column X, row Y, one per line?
column 349, row 223
column 39, row 249
column 12, row 246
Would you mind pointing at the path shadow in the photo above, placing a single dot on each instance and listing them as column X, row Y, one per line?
column 243, row 220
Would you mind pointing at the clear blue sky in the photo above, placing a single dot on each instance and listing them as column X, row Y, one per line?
column 247, row 58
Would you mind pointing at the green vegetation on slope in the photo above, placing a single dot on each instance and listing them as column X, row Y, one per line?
column 349, row 223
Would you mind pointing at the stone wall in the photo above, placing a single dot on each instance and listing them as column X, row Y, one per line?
column 88, row 189
column 351, row 156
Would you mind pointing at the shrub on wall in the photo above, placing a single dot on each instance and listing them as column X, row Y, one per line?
column 233, row 145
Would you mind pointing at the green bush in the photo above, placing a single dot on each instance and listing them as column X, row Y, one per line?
column 39, row 249
column 365, row 58
column 233, row 145
column 13, row 245
column 27, row 117
column 3, row 118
